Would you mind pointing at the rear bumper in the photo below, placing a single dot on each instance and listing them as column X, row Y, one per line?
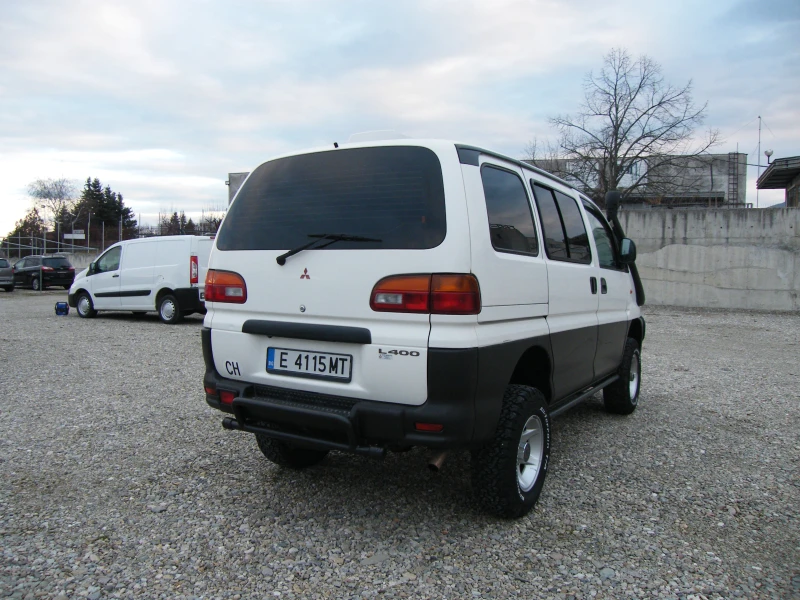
column 350, row 424
column 189, row 300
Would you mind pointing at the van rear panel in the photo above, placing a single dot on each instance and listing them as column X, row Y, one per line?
column 408, row 201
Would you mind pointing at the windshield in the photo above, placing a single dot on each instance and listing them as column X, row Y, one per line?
column 394, row 195
column 56, row 262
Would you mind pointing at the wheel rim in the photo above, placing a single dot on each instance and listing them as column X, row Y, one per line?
column 83, row 305
column 167, row 310
column 35, row 284
column 529, row 453
column 633, row 384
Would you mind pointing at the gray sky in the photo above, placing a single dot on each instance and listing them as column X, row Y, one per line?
column 160, row 100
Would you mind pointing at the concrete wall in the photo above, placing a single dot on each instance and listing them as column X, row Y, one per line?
column 718, row 258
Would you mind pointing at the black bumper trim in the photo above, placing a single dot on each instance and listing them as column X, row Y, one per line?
column 308, row 331
column 189, row 300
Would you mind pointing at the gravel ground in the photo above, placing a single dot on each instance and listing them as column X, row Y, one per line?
column 118, row 480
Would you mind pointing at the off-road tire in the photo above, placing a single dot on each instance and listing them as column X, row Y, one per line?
column 89, row 311
column 170, row 317
column 495, row 467
column 617, row 396
column 284, row 455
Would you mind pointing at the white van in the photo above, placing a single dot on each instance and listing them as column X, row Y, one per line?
column 378, row 296
column 162, row 274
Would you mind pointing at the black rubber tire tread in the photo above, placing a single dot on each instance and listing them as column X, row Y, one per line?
column 494, row 465
column 284, row 455
column 177, row 317
column 35, row 284
column 91, row 312
column 617, row 396
column 9, row 288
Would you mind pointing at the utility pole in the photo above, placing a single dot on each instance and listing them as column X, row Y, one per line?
column 758, row 174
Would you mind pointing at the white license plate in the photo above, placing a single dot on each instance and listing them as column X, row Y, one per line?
column 301, row 363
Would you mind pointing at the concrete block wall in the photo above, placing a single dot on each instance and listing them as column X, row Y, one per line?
column 740, row 258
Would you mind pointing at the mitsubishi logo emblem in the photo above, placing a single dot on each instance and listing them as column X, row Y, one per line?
column 305, row 274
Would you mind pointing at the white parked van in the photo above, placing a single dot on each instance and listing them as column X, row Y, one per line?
column 384, row 295
column 162, row 274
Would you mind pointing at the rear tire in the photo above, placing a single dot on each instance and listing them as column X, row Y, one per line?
column 35, row 284
column 84, row 305
column 9, row 288
column 622, row 396
column 168, row 310
column 284, row 455
column 509, row 471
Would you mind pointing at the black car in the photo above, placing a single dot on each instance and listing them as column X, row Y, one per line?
column 54, row 270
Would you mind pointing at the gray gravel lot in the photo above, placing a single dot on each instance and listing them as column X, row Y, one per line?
column 118, row 480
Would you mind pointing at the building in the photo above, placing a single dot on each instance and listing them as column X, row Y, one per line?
column 709, row 180
column 783, row 174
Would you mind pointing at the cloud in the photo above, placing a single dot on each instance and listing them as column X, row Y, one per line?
column 162, row 100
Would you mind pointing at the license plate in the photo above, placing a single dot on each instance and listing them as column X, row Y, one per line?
column 301, row 363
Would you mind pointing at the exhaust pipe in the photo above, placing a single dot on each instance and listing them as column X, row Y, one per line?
column 437, row 460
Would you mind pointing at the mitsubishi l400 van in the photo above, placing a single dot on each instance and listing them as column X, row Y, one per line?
column 378, row 296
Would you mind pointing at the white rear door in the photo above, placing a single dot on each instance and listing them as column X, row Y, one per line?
column 318, row 303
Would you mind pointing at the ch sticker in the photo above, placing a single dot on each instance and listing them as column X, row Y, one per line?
column 232, row 368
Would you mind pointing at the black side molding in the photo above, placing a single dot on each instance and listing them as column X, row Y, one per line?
column 308, row 331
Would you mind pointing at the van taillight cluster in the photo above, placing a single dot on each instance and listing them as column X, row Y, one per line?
column 194, row 270
column 439, row 293
column 225, row 286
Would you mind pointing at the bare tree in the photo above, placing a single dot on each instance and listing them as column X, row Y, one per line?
column 210, row 219
column 634, row 132
column 57, row 196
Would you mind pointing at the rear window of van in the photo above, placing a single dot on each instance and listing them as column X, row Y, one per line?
column 392, row 194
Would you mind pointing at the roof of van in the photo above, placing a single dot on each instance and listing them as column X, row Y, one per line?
column 377, row 141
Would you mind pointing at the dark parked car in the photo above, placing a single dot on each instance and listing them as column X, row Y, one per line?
column 54, row 270
column 6, row 275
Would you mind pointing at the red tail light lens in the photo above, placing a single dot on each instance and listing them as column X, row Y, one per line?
column 47, row 269
column 194, row 270
column 402, row 293
column 226, row 397
column 72, row 268
column 225, row 286
column 455, row 295
column 429, row 427
column 442, row 294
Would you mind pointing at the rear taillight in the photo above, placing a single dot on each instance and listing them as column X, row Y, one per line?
column 71, row 268
column 225, row 286
column 47, row 269
column 402, row 293
column 439, row 293
column 194, row 270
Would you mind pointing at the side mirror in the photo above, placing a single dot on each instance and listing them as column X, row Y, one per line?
column 92, row 268
column 627, row 252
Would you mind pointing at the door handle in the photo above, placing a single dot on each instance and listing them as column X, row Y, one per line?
column 593, row 284
column 117, row 275
column 603, row 286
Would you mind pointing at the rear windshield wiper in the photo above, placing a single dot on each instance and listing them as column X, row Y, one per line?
column 332, row 237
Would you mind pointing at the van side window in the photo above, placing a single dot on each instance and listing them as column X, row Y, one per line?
column 511, row 225
column 552, row 228
column 109, row 261
column 564, row 232
column 603, row 239
column 577, row 238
